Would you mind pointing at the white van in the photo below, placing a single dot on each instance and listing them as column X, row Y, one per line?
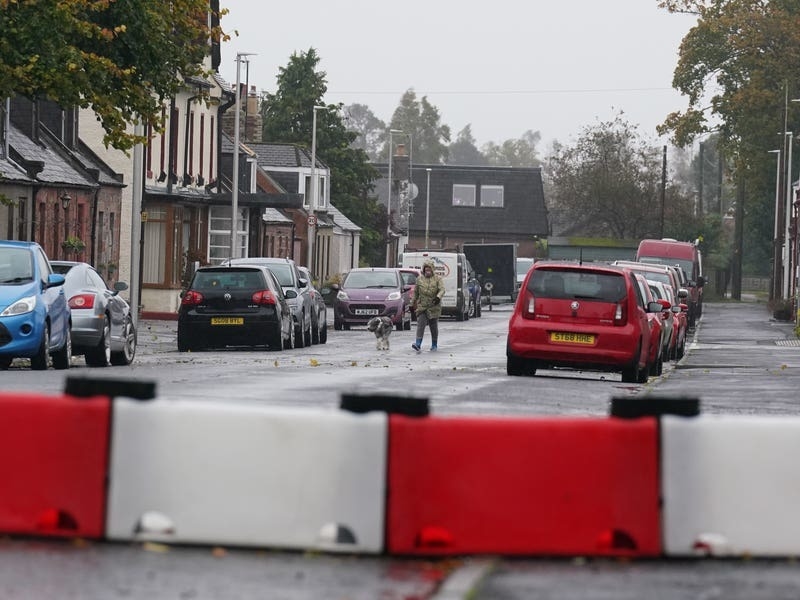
column 451, row 266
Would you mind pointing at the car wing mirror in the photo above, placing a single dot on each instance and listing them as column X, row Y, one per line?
column 120, row 286
column 302, row 283
column 54, row 280
column 290, row 294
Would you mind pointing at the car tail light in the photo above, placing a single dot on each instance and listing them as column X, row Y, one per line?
column 82, row 301
column 264, row 298
column 620, row 314
column 529, row 306
column 192, row 298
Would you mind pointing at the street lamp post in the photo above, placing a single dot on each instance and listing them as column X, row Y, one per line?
column 389, row 203
column 776, row 268
column 427, row 207
column 313, row 201
column 787, row 217
column 235, row 183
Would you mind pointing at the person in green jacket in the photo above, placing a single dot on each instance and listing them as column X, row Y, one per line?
column 427, row 303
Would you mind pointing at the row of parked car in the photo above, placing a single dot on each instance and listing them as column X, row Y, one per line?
column 627, row 317
column 52, row 310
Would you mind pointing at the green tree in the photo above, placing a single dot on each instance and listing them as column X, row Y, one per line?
column 119, row 58
column 370, row 129
column 464, row 151
column 607, row 184
column 288, row 117
column 738, row 67
column 420, row 119
column 515, row 153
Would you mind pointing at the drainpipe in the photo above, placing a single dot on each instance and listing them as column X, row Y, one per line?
column 170, row 145
column 186, row 138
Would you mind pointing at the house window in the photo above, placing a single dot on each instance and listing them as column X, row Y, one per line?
column 463, row 195
column 155, row 241
column 219, row 233
column 309, row 190
column 492, row 196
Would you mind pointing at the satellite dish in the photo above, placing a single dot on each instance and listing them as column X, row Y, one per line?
column 413, row 191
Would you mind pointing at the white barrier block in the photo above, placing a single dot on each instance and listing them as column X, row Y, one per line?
column 244, row 475
column 731, row 485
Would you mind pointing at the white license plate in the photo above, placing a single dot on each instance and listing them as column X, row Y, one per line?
column 366, row 312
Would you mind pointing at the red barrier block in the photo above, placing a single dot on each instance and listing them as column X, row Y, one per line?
column 53, row 464
column 545, row 486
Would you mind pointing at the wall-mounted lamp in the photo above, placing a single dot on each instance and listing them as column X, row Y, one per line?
column 65, row 200
column 162, row 177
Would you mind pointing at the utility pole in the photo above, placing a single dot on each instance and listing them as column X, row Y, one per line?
column 702, row 182
column 736, row 275
column 663, row 190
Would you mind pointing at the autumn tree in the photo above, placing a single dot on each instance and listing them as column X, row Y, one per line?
column 287, row 117
column 421, row 120
column 738, row 67
column 122, row 59
column 607, row 184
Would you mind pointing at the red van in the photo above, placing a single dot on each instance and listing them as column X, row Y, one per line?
column 685, row 255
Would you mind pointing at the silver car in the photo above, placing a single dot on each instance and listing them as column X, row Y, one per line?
column 102, row 324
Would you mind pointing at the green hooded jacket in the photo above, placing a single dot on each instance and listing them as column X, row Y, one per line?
column 428, row 288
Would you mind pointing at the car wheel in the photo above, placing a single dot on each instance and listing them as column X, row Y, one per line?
column 346, row 326
column 100, row 355
column 125, row 356
column 41, row 361
column 184, row 343
column 400, row 325
column 307, row 335
column 630, row 374
column 407, row 324
column 315, row 327
column 63, row 356
column 323, row 333
column 299, row 333
column 288, row 343
column 472, row 312
column 337, row 325
column 478, row 309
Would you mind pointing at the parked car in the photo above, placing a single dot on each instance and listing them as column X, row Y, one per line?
column 580, row 316
column 662, row 294
column 102, row 324
column 34, row 314
column 523, row 265
column 319, row 312
column 295, row 288
column 368, row 292
column 409, row 276
column 655, row 359
column 241, row 305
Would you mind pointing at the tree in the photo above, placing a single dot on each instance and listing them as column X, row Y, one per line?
column 464, row 151
column 421, row 120
column 122, row 59
column 370, row 129
column 608, row 183
column 515, row 153
column 737, row 67
column 287, row 116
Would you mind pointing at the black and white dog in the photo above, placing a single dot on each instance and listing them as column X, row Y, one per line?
column 382, row 328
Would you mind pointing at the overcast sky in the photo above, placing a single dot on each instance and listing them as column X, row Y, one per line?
column 503, row 66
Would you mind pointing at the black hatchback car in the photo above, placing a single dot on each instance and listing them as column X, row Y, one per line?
column 234, row 306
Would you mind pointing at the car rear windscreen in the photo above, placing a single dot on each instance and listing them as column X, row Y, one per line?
column 581, row 285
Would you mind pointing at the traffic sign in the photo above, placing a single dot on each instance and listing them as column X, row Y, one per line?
column 312, row 220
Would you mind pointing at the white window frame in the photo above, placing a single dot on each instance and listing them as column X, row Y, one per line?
column 219, row 224
column 459, row 190
column 492, row 189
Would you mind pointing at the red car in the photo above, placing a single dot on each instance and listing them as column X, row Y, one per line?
column 658, row 331
column 580, row 316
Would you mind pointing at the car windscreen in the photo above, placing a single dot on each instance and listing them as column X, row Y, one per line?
column 228, row 280
column 370, row 279
column 16, row 265
column 685, row 265
column 574, row 284
column 408, row 278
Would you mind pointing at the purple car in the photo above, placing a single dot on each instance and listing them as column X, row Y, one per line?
column 371, row 292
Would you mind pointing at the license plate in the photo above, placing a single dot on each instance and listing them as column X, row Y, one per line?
column 571, row 338
column 227, row 320
column 367, row 311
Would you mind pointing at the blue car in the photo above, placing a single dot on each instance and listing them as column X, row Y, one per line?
column 34, row 315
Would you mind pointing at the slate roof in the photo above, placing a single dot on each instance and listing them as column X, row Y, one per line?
column 341, row 220
column 57, row 169
column 11, row 171
column 273, row 215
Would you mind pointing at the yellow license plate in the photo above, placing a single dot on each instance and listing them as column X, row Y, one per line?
column 227, row 320
column 571, row 338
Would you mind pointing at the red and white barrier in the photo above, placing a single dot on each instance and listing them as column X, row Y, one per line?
column 247, row 475
column 548, row 486
column 731, row 485
column 53, row 459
